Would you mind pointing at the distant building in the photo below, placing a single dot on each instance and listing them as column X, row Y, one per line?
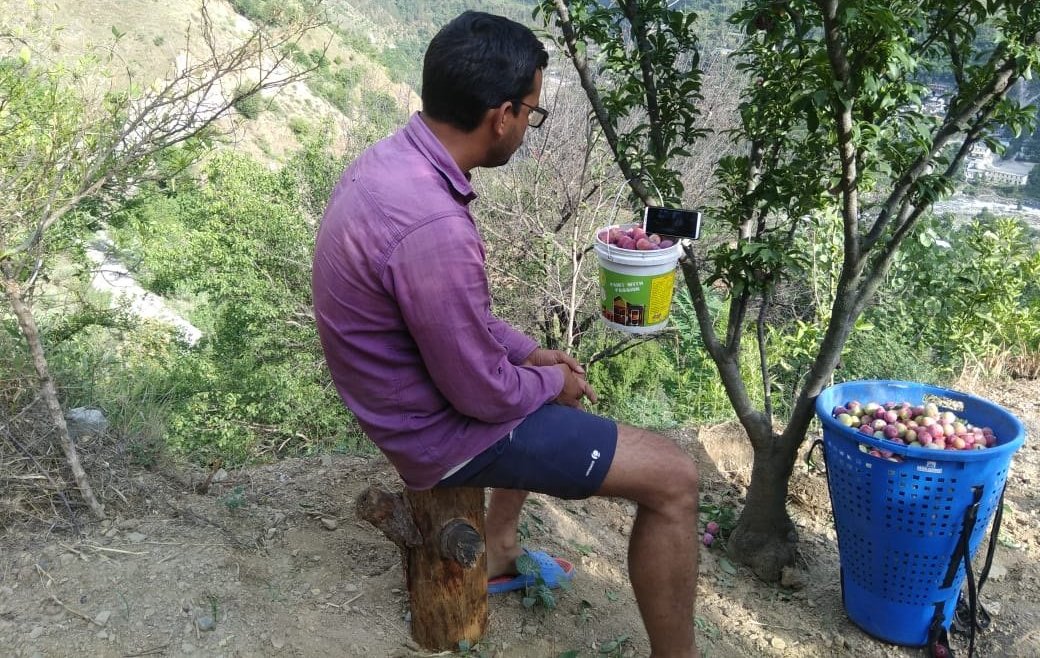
column 981, row 166
column 935, row 105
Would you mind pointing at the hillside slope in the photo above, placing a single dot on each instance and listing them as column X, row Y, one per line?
column 145, row 39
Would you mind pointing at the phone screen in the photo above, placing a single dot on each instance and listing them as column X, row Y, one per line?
column 675, row 222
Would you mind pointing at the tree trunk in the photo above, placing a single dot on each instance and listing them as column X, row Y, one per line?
column 765, row 538
column 27, row 323
column 440, row 533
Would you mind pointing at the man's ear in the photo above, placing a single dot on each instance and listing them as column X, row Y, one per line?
column 498, row 118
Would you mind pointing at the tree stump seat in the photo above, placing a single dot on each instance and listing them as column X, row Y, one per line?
column 440, row 533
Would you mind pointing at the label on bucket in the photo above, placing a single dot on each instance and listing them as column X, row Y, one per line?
column 636, row 301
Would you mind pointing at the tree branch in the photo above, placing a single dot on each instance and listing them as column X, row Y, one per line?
column 953, row 125
column 625, row 344
column 581, row 65
column 763, row 361
column 844, row 124
column 645, row 49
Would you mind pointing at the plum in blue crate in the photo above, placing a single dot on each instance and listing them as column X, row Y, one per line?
column 914, row 425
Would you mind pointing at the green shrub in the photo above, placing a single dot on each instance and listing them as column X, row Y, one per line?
column 248, row 101
column 299, row 126
column 255, row 387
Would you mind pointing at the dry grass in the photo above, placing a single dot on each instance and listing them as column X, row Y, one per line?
column 1003, row 365
column 33, row 482
column 36, row 486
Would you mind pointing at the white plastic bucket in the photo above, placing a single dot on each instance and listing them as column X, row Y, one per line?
column 635, row 286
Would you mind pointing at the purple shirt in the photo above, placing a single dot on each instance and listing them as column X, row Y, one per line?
column 404, row 314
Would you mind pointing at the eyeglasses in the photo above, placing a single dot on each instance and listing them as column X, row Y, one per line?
column 536, row 116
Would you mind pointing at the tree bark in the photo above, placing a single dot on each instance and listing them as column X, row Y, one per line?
column 27, row 323
column 440, row 533
column 765, row 538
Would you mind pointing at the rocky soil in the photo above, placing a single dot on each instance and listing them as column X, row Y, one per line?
column 271, row 561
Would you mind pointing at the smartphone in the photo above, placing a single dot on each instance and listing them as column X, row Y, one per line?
column 673, row 222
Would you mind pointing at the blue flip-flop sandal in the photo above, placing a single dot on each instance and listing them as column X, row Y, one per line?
column 551, row 570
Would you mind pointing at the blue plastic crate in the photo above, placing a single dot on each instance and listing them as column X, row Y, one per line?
column 898, row 523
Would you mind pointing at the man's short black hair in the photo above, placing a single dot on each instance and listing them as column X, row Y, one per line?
column 476, row 62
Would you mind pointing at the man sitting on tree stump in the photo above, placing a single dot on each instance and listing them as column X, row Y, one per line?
column 454, row 396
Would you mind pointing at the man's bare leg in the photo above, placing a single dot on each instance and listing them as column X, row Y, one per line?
column 500, row 530
column 662, row 552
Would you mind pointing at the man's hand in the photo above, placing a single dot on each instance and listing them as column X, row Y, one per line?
column 574, row 388
column 544, row 357
column 574, row 385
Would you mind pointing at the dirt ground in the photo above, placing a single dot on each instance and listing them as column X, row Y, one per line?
column 273, row 562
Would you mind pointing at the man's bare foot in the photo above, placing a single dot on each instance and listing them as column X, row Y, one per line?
column 502, row 562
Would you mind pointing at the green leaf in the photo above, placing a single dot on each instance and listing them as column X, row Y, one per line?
column 572, row 653
column 24, row 55
column 727, row 566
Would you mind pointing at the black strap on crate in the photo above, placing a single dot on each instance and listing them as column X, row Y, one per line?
column 970, row 616
column 810, row 462
column 963, row 617
column 938, row 641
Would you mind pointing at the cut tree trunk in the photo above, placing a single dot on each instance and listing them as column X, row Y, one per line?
column 441, row 536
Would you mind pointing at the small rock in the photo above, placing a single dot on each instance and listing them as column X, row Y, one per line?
column 778, row 643
column 277, row 640
column 67, row 559
column 997, row 572
column 187, row 648
column 111, row 532
column 125, row 524
column 102, row 635
column 350, row 587
column 136, row 537
column 326, row 461
column 271, row 532
column 205, row 623
column 84, row 420
column 220, row 475
column 330, row 524
column 792, row 578
column 278, row 518
column 102, row 617
column 36, row 632
column 993, row 607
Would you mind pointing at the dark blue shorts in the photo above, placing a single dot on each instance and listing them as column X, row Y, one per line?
column 557, row 450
